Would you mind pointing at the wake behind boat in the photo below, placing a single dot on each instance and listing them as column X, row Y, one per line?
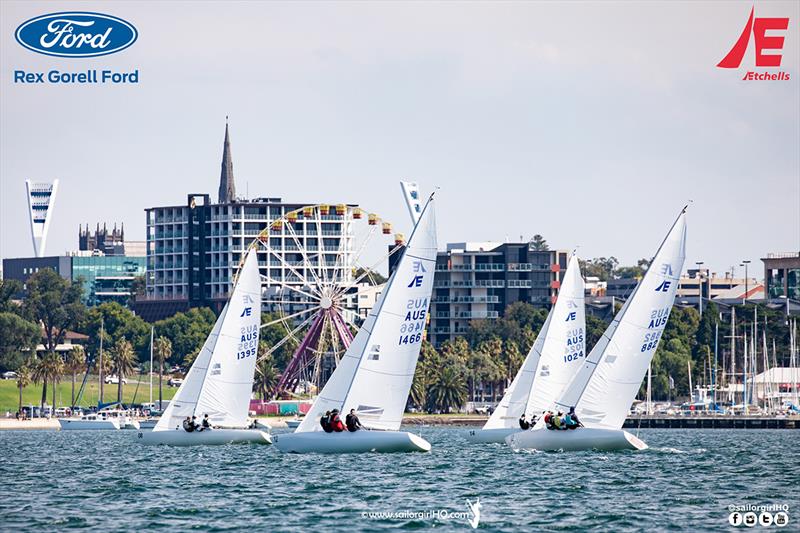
column 603, row 389
column 374, row 376
column 220, row 382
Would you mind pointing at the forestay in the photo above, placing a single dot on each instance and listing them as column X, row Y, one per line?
column 606, row 385
column 374, row 376
column 553, row 358
column 220, row 382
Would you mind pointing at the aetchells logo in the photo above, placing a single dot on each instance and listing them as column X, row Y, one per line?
column 758, row 28
column 76, row 34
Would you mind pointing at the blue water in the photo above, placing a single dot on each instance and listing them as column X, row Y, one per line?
column 104, row 481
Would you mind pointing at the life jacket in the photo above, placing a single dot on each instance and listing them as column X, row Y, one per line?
column 336, row 424
column 524, row 424
column 548, row 418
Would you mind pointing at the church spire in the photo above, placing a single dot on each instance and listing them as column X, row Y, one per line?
column 227, row 189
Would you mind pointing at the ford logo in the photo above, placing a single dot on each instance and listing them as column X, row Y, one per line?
column 76, row 34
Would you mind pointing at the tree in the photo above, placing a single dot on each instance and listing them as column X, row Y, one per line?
column 266, row 376
column 123, row 359
column 76, row 361
column 538, row 244
column 163, row 349
column 117, row 322
column 54, row 302
column 187, row 332
column 24, row 378
column 600, row 267
column 138, row 288
column 372, row 277
column 447, row 390
column 48, row 369
column 491, row 352
column 428, row 359
column 9, row 289
column 18, row 338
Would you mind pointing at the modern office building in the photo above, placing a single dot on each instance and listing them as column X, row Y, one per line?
column 782, row 275
column 104, row 278
column 41, row 199
column 479, row 280
column 193, row 250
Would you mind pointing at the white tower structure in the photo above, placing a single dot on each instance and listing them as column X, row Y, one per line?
column 41, row 198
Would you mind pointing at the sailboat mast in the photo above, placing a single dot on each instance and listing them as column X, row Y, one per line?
column 649, row 393
column 744, row 373
column 714, row 368
column 100, row 364
column 733, row 380
column 151, row 364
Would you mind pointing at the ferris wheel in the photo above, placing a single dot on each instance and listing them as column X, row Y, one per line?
column 318, row 272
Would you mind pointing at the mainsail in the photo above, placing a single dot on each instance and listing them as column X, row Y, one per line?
column 604, row 388
column 374, row 376
column 220, row 382
column 553, row 358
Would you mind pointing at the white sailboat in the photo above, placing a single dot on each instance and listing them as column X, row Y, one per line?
column 551, row 362
column 605, row 386
column 374, row 376
column 220, row 381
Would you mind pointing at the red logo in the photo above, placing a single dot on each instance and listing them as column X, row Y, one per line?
column 758, row 27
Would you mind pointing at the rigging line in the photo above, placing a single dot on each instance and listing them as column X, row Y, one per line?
column 272, row 281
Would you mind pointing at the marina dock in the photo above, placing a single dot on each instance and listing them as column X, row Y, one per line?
column 712, row 422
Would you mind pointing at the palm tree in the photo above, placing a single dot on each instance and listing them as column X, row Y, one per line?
column 266, row 377
column 39, row 375
column 163, row 347
column 448, row 389
column 76, row 361
column 123, row 359
column 24, row 377
column 48, row 369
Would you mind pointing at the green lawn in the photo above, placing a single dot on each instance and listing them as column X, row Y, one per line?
column 9, row 394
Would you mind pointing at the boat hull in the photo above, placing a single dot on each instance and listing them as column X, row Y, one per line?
column 487, row 436
column 132, row 424
column 346, row 442
column 203, row 438
column 69, row 424
column 575, row 440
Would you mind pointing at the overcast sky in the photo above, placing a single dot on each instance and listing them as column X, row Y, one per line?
column 591, row 123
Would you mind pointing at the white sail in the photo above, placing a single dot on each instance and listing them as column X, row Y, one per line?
column 374, row 376
column 604, row 388
column 220, row 381
column 553, row 359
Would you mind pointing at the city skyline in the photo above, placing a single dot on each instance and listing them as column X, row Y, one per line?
column 525, row 131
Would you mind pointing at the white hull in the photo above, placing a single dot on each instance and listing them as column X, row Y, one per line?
column 359, row 442
column 293, row 424
column 487, row 436
column 575, row 440
column 77, row 423
column 180, row 437
column 150, row 423
column 132, row 424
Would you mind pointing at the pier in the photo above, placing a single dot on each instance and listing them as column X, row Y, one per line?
column 712, row 422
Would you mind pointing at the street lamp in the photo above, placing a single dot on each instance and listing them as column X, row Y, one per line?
column 744, row 263
column 700, row 284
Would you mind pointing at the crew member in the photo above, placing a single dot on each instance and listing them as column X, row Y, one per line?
column 352, row 422
column 325, row 422
column 336, row 422
column 523, row 423
column 187, row 425
column 205, row 424
column 574, row 417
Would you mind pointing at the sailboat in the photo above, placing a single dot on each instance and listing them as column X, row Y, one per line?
column 374, row 376
column 220, row 381
column 551, row 362
column 605, row 386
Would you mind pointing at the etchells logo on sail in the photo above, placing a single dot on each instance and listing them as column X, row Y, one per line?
column 76, row 34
